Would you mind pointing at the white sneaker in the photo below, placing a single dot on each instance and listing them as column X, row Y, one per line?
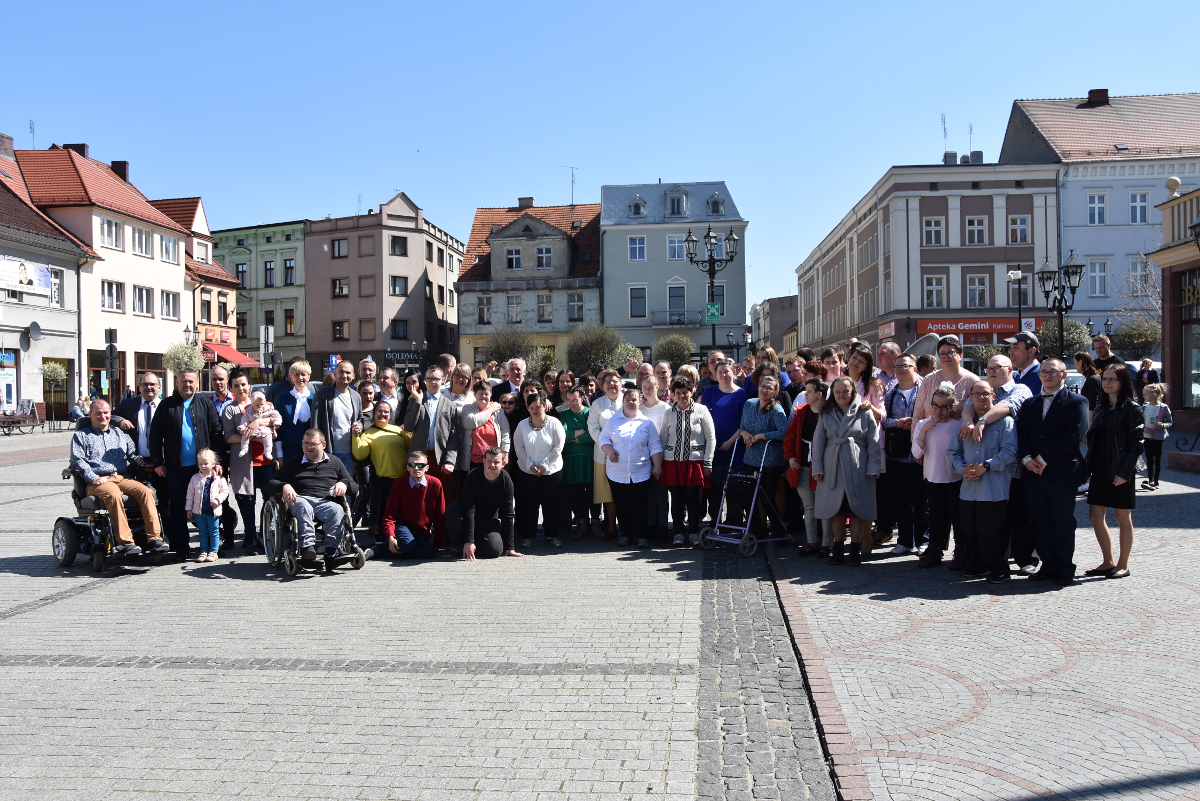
column 922, row 549
column 1027, row 570
column 901, row 549
column 1084, row 488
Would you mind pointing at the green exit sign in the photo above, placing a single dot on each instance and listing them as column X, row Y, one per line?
column 712, row 313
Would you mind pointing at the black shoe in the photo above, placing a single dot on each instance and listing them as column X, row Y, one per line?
column 837, row 553
column 1041, row 575
column 308, row 554
column 157, row 546
column 854, row 556
column 972, row 572
column 127, row 550
column 998, row 578
column 250, row 545
column 1065, row 581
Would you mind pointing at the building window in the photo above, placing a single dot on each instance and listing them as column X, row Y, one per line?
column 441, row 294
column 399, row 285
column 366, row 246
column 1018, row 292
column 933, row 232
column 289, row 272
column 574, row 307
column 545, row 308
column 1137, row 207
column 676, row 298
column 543, row 258
column 269, row 317
column 485, row 310
column 341, row 287
column 428, row 331
column 428, row 251
column 675, row 248
column 289, row 322
column 718, row 297
column 222, row 309
column 1139, row 277
column 269, row 273
column 56, row 296
column 170, row 305
column 341, row 248
column 269, row 238
column 428, row 289
column 170, row 249
column 112, row 296
column 977, row 291
column 399, row 329
column 512, row 258
column 287, row 237
column 1097, row 279
column 143, row 300
column 142, row 242
column 202, row 252
column 1018, row 230
column 241, row 325
column 637, row 301
column 366, row 286
column 514, row 308
column 714, row 206
column 400, row 246
column 366, row 330
column 637, row 248
column 241, row 243
column 637, row 209
column 339, row 330
column 240, row 272
column 676, row 206
column 935, row 292
column 441, row 261
column 977, row 231
column 450, row 296
column 112, row 234
column 206, row 308
column 1096, row 209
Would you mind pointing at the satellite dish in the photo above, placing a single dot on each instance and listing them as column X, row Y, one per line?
column 35, row 332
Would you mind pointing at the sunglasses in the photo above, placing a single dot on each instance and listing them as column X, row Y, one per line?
column 418, row 465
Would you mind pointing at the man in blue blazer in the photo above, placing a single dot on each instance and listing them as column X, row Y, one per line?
column 1050, row 427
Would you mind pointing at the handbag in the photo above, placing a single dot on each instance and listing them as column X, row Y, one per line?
column 897, row 442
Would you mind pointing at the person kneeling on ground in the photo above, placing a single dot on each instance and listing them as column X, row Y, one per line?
column 103, row 454
column 309, row 484
column 480, row 521
column 414, row 521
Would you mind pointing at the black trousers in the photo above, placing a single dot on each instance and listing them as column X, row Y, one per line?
column 177, row 527
column 364, row 473
column 1053, row 510
column 534, row 492
column 885, row 516
column 943, row 513
column 630, row 500
column 246, row 504
column 488, row 542
column 379, row 490
column 983, row 534
column 685, row 501
column 580, row 496
column 1018, row 525
column 906, row 486
column 1153, row 452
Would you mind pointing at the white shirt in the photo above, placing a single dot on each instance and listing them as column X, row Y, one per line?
column 392, row 401
column 143, row 424
column 635, row 441
column 540, row 447
column 655, row 413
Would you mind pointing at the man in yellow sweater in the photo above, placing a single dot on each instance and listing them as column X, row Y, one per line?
column 387, row 447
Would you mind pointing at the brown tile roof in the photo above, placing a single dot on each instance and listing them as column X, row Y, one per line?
column 180, row 209
column 25, row 222
column 213, row 274
column 61, row 177
column 1150, row 126
column 586, row 237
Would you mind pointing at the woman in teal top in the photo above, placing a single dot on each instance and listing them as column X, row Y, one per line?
column 577, row 459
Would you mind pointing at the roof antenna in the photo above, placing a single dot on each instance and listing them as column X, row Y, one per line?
column 943, row 133
column 360, row 204
column 572, row 169
column 32, row 135
column 970, row 136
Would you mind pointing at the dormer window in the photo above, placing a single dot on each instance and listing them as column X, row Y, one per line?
column 676, row 206
column 716, row 206
column 638, row 207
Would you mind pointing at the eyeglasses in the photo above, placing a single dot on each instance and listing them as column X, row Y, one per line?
column 981, row 394
column 945, row 408
column 991, row 368
column 1046, row 371
column 507, row 403
column 946, row 354
column 418, row 465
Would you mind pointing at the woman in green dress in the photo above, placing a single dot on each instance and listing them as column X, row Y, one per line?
column 577, row 459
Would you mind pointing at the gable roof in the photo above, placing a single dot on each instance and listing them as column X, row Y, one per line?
column 586, row 238
column 23, row 222
column 62, row 177
column 617, row 199
column 208, row 273
column 1074, row 130
column 182, row 210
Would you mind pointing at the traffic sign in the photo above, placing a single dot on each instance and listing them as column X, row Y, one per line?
column 712, row 313
column 111, row 352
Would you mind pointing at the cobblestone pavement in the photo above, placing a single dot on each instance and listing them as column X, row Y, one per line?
column 928, row 686
column 595, row 674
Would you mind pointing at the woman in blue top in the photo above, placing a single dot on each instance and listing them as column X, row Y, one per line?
column 762, row 429
column 724, row 401
column 294, row 407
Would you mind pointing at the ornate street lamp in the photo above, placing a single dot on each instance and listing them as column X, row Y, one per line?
column 1054, row 284
column 1091, row 333
column 1018, row 275
column 710, row 263
column 191, row 337
column 1194, row 228
column 1108, row 325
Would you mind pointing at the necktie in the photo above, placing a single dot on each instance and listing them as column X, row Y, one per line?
column 144, row 438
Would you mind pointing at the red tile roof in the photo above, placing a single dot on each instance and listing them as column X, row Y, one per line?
column 21, row 213
column 586, row 237
column 61, row 177
column 1150, row 126
column 180, row 209
column 213, row 274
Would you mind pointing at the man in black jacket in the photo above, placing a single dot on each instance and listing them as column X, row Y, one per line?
column 184, row 425
column 483, row 511
column 1050, row 427
column 307, row 483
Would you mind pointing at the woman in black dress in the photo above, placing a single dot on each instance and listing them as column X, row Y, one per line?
column 1114, row 442
column 1091, row 389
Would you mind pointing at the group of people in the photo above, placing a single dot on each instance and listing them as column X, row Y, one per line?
column 461, row 462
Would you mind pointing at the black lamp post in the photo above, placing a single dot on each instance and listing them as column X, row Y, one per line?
column 1054, row 284
column 1108, row 325
column 1018, row 275
column 710, row 263
column 1091, row 333
column 1194, row 228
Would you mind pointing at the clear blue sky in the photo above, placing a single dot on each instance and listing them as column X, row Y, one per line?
column 275, row 111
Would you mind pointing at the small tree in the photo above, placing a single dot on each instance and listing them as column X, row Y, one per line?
column 1137, row 339
column 1076, row 337
column 981, row 354
column 182, row 356
column 676, row 349
column 508, row 342
column 541, row 361
column 594, row 347
column 54, row 374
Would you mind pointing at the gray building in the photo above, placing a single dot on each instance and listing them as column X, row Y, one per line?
column 770, row 319
column 650, row 288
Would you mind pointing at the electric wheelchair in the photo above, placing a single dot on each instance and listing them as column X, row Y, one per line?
column 281, row 540
column 91, row 533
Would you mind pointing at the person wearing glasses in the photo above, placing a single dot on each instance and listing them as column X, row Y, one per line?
column 1049, row 430
column 414, row 522
column 905, row 481
column 1115, row 441
column 932, row 438
column 949, row 354
column 433, row 420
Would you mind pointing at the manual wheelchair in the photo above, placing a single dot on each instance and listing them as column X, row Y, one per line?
column 281, row 540
column 90, row 531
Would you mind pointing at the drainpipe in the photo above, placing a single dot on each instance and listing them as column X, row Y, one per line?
column 602, row 233
column 80, row 366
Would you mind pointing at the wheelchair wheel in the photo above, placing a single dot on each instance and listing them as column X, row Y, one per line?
column 748, row 545
column 65, row 542
column 98, row 559
column 706, row 543
column 291, row 564
column 360, row 559
column 269, row 529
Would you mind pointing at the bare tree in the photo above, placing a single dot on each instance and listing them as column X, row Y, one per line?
column 1140, row 295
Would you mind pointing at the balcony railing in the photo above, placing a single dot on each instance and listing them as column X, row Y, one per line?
column 689, row 318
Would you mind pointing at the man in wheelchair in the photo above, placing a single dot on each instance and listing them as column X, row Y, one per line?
column 103, row 454
column 306, row 484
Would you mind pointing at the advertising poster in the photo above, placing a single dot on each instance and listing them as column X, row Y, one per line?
column 25, row 276
column 8, row 388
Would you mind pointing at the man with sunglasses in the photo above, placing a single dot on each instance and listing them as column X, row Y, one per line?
column 414, row 521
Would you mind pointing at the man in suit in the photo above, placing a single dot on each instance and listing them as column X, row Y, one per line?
column 516, row 374
column 136, row 413
column 337, row 407
column 434, row 425
column 184, row 425
column 1050, row 427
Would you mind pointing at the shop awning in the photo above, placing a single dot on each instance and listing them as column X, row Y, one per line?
column 216, row 352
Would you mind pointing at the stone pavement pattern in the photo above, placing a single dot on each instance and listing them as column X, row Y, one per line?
column 928, row 686
column 558, row 676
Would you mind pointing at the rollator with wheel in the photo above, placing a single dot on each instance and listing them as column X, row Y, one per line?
column 744, row 485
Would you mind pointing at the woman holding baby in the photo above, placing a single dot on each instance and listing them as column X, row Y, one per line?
column 250, row 468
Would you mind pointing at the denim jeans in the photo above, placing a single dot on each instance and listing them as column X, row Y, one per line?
column 411, row 546
column 210, row 533
column 329, row 512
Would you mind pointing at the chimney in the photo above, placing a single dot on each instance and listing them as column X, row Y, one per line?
column 964, row 159
column 976, row 156
column 6, row 147
column 1098, row 97
column 121, row 168
column 524, row 203
column 950, row 157
column 81, row 149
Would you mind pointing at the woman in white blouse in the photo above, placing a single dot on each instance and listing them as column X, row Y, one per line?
column 634, row 452
column 601, row 410
column 539, row 441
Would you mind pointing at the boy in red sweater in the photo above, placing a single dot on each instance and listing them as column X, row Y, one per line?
column 414, row 521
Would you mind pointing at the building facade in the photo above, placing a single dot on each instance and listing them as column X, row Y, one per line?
column 267, row 266
column 770, row 319
column 381, row 285
column 537, row 267
column 650, row 288
column 1179, row 260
